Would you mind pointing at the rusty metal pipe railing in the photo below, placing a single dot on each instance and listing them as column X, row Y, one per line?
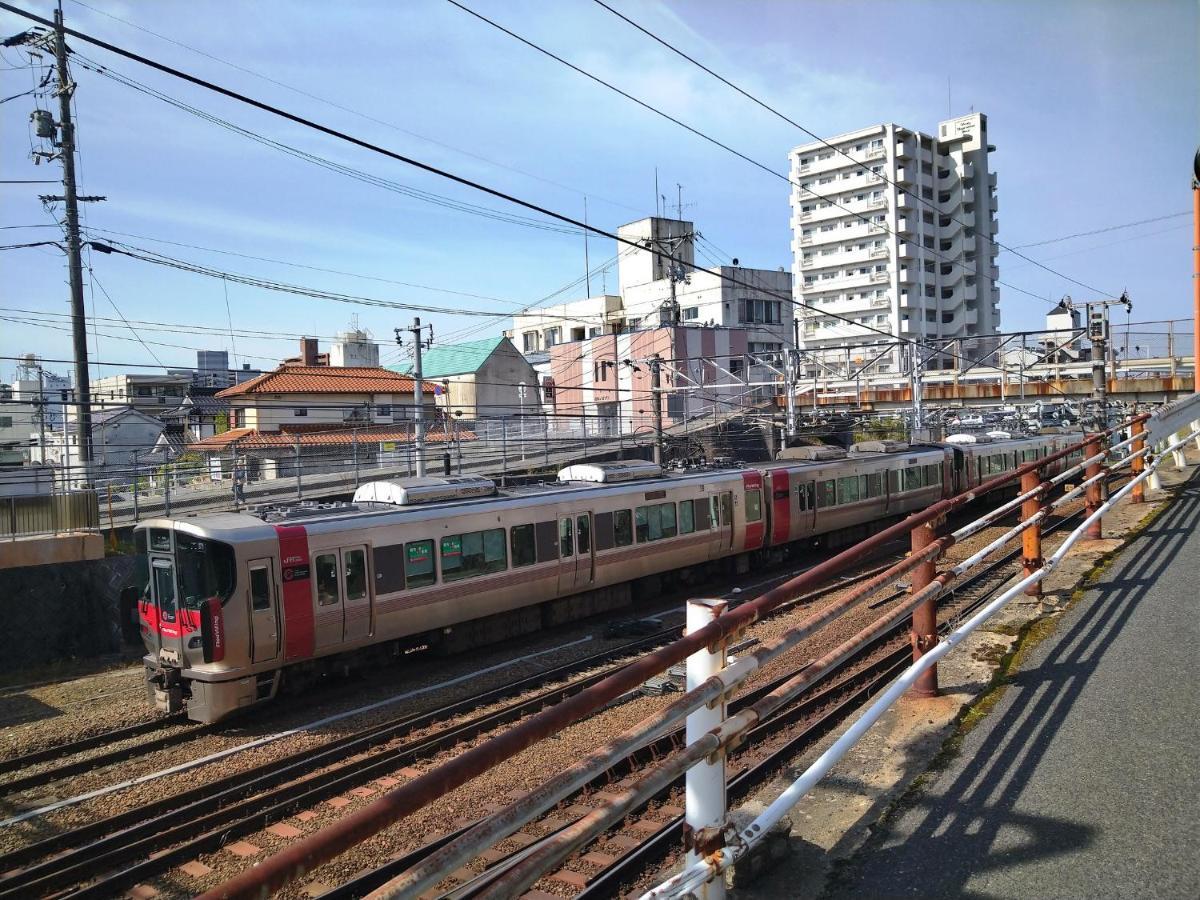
column 301, row 857
column 521, row 811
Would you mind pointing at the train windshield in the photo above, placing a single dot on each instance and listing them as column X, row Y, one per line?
column 206, row 569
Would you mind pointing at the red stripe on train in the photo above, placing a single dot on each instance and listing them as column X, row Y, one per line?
column 781, row 510
column 297, row 594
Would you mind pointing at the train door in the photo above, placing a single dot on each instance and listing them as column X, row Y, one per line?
column 752, row 510
column 806, row 505
column 329, row 614
column 357, row 594
column 781, row 507
column 566, row 554
column 585, row 552
column 264, row 611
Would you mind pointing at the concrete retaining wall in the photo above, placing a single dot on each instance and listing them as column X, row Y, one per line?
column 64, row 611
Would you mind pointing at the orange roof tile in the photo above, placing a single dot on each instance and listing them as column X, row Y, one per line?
column 252, row 439
column 326, row 380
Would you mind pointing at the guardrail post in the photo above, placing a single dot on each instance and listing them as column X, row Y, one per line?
column 924, row 617
column 1031, row 538
column 1092, row 446
column 704, row 818
column 1138, row 465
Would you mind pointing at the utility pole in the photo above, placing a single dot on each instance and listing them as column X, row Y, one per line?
column 656, row 396
column 83, row 412
column 1098, row 335
column 418, row 390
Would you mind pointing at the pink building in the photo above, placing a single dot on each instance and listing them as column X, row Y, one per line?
column 603, row 383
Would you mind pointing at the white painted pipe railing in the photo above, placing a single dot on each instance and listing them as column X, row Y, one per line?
column 697, row 874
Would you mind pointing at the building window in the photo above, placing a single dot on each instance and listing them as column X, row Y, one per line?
column 691, row 313
column 765, row 312
column 529, row 342
column 300, row 413
column 552, row 337
column 736, row 365
column 384, row 410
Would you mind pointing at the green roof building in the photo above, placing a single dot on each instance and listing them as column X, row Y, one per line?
column 480, row 379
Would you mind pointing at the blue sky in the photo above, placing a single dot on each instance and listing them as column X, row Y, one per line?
column 1093, row 107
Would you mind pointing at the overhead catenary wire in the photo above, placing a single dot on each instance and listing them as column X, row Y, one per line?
column 427, row 167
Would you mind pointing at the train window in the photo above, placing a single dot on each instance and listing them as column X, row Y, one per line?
column 356, row 573
column 714, row 509
column 642, row 520
column 933, row 475
column 805, row 496
column 326, row 568
column 164, row 589
column 418, row 564
column 894, row 480
column 583, row 534
column 473, row 553
column 754, row 505
column 260, row 589
column 622, row 527
column 206, row 569
column 687, row 516
column 848, row 489
column 666, row 515
column 160, row 539
column 727, row 508
column 875, row 484
column 524, row 549
column 826, row 494
column 703, row 521
column 912, row 478
column 566, row 541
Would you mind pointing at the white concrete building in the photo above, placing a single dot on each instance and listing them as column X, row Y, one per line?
column 891, row 228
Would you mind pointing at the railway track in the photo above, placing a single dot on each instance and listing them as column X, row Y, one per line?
column 111, row 854
column 108, row 856
column 620, row 859
column 73, row 748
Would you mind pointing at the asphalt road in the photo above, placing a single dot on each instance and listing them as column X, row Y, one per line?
column 1084, row 780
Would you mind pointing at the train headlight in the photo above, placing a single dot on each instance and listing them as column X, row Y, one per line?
column 195, row 643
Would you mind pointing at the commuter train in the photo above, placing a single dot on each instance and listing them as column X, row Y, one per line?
column 233, row 606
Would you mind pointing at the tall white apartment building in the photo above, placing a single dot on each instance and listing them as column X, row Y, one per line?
column 894, row 232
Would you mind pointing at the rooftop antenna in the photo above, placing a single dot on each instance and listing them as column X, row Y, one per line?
column 657, row 212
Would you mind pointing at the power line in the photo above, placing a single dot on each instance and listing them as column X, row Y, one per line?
column 435, row 170
column 1079, row 234
column 914, row 194
column 351, row 110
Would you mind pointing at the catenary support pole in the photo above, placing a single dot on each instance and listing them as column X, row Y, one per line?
column 296, row 457
column 1196, row 273
column 656, row 401
column 705, row 782
column 924, row 617
column 1031, row 538
column 418, row 397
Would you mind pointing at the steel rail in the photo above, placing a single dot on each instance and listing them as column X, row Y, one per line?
column 300, row 857
column 16, row 763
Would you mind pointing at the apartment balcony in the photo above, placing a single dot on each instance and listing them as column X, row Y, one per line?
column 874, row 178
column 905, row 203
column 970, row 292
column 879, row 277
column 805, row 216
column 876, row 153
column 992, row 181
column 994, row 203
column 968, row 172
column 879, row 253
column 971, row 317
column 875, row 228
column 903, row 150
column 905, row 225
column 968, row 195
column 995, row 226
column 907, row 250
column 905, row 174
column 805, row 168
column 806, row 239
column 881, row 203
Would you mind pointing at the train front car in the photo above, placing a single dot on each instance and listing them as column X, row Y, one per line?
column 200, row 585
